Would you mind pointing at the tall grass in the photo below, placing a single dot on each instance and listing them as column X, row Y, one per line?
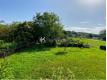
column 43, row 63
column 5, row 71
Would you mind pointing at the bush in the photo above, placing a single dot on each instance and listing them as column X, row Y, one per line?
column 86, row 46
column 54, row 43
column 74, row 43
column 3, row 53
column 7, row 48
column 103, row 47
column 51, row 43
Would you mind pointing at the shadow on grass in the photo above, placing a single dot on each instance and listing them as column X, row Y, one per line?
column 61, row 53
column 36, row 48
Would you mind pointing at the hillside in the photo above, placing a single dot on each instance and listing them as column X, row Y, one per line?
column 76, row 63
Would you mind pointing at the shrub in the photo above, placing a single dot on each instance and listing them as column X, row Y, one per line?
column 74, row 43
column 51, row 43
column 3, row 53
column 54, row 43
column 7, row 48
column 103, row 47
column 86, row 46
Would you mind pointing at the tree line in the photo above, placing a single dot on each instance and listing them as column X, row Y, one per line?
column 43, row 25
column 29, row 32
column 100, row 36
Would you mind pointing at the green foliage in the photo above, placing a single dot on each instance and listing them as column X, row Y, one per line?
column 51, row 43
column 47, row 25
column 4, row 44
column 7, row 47
column 26, row 34
column 76, row 64
column 22, row 35
column 74, row 42
column 4, row 32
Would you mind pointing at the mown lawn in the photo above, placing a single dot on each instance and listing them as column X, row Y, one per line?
column 76, row 63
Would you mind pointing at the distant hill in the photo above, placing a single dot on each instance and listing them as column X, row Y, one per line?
column 81, row 35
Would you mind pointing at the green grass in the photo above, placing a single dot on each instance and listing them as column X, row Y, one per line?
column 77, row 63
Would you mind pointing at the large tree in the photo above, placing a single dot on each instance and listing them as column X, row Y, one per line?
column 22, row 34
column 47, row 25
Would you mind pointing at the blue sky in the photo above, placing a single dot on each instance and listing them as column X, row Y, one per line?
column 78, row 15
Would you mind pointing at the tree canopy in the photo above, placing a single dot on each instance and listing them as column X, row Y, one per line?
column 47, row 25
column 27, row 33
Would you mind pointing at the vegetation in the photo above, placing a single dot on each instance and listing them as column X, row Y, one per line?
column 103, row 47
column 82, row 35
column 26, row 34
column 42, row 49
column 43, row 63
column 5, row 71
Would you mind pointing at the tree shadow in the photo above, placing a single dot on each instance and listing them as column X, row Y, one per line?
column 61, row 53
column 36, row 48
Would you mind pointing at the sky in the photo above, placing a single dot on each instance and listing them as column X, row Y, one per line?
column 76, row 15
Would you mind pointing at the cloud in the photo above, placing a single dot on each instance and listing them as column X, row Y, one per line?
column 91, row 5
column 94, row 30
column 99, row 24
column 84, row 22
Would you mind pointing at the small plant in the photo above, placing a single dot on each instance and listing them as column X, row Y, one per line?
column 63, row 74
column 60, row 73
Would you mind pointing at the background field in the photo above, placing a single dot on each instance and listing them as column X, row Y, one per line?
column 77, row 63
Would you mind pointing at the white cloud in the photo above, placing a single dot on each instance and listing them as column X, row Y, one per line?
column 99, row 24
column 84, row 22
column 91, row 4
column 94, row 30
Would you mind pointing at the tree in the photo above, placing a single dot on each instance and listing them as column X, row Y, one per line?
column 25, row 34
column 47, row 25
column 22, row 35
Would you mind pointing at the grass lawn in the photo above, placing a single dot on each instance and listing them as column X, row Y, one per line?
column 76, row 63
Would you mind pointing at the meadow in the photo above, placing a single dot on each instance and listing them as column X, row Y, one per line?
column 51, row 63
